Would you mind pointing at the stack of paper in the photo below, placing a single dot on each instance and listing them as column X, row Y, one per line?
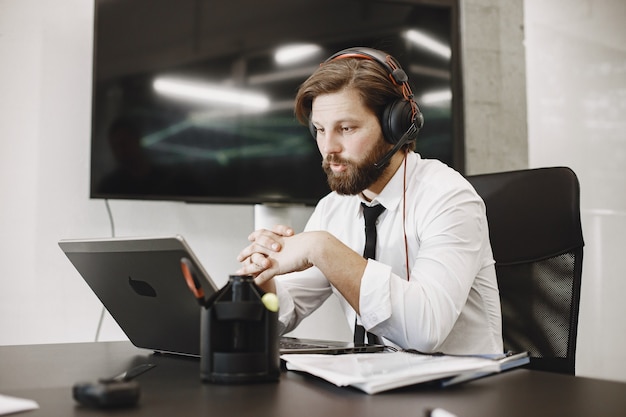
column 376, row 372
column 11, row 405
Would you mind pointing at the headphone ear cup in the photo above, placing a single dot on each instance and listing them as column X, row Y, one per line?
column 397, row 119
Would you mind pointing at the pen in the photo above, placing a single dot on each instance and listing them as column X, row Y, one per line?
column 439, row 412
column 189, row 273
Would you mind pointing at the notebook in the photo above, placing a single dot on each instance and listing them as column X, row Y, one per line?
column 140, row 282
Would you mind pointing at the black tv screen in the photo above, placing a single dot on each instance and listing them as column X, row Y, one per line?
column 193, row 99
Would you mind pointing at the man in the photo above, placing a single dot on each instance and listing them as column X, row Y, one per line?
column 432, row 286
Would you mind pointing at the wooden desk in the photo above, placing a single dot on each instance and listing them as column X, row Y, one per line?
column 46, row 373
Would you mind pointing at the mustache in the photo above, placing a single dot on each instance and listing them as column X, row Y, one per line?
column 335, row 159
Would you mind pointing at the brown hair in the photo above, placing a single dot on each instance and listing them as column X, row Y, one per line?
column 367, row 77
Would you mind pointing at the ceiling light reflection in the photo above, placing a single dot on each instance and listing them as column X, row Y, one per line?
column 206, row 92
column 290, row 54
column 436, row 97
column 421, row 39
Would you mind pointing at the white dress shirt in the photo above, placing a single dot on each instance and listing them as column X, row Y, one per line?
column 450, row 301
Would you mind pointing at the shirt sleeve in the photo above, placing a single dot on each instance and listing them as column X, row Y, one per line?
column 421, row 312
column 299, row 294
column 375, row 296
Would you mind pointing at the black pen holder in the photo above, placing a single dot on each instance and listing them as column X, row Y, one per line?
column 239, row 335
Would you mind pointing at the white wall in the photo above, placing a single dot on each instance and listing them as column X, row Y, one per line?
column 576, row 76
column 45, row 105
column 575, row 82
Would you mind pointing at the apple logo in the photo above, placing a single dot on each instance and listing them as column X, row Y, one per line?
column 142, row 287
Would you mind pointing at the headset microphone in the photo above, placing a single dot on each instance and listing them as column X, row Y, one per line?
column 404, row 139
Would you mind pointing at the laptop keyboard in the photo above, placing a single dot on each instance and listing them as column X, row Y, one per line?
column 294, row 344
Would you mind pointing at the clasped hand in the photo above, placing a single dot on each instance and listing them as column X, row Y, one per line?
column 274, row 252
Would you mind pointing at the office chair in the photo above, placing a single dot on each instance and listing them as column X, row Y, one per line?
column 537, row 242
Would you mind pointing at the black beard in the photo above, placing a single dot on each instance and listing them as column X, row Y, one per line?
column 359, row 175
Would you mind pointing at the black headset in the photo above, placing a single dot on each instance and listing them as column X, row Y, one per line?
column 401, row 119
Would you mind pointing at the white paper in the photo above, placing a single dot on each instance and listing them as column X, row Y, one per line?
column 9, row 405
column 376, row 372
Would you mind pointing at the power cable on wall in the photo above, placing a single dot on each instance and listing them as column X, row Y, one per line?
column 103, row 311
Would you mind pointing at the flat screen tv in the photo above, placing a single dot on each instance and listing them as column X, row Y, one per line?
column 193, row 99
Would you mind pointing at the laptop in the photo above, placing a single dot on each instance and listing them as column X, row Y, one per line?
column 141, row 284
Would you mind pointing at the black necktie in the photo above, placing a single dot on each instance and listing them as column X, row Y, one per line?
column 370, row 214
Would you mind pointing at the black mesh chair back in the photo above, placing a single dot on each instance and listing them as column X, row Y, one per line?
column 537, row 241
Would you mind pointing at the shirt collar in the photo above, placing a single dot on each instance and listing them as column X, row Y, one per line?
column 391, row 195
